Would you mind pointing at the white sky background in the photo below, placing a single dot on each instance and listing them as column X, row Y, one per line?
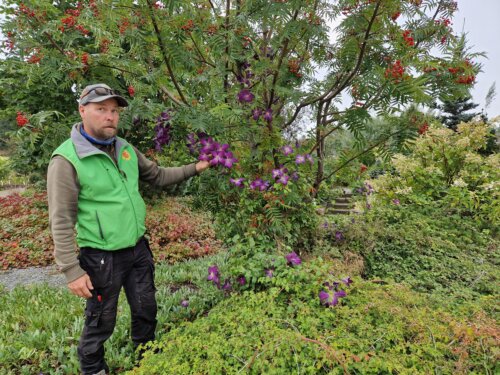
column 480, row 20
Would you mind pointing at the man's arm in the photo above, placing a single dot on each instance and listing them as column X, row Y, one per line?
column 150, row 172
column 62, row 191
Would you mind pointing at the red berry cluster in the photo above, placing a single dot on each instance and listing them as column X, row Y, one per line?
column 395, row 16
column 131, row 90
column 294, row 66
column 410, row 42
column 446, row 22
column 423, row 128
column 123, row 25
column 35, row 58
column 396, row 71
column 104, row 45
column 9, row 43
column 21, row 119
column 212, row 29
column 466, row 79
column 25, row 10
column 188, row 26
column 70, row 21
column 85, row 59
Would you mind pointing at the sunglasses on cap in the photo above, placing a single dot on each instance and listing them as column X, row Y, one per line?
column 101, row 91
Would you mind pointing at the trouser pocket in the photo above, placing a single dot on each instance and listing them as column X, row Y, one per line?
column 99, row 266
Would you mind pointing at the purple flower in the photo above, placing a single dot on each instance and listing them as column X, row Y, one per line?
column 396, row 201
column 323, row 297
column 277, row 173
column 347, row 281
column 287, row 150
column 228, row 162
column 213, row 274
column 268, row 115
column 256, row 184
column 185, row 303
column 238, row 182
column 256, row 113
column 269, row 272
column 204, row 157
column 222, row 148
column 340, row 293
column 300, row 159
column 309, row 158
column 283, row 180
column 295, row 176
column 241, row 280
column 245, row 96
column 293, row 259
column 265, row 185
column 227, row 285
column 217, row 158
column 334, row 301
column 325, row 224
column 339, row 236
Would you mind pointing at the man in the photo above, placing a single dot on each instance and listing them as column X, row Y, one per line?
column 92, row 184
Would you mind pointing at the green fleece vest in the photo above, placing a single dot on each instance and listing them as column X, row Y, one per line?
column 111, row 212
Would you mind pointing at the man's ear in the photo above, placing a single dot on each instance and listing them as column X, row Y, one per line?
column 81, row 109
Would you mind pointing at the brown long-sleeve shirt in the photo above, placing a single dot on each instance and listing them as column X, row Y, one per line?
column 63, row 189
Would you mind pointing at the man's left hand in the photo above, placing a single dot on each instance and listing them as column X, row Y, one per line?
column 201, row 166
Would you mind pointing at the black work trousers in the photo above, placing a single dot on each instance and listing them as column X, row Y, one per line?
column 132, row 268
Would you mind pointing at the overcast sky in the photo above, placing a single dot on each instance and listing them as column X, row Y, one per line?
column 480, row 20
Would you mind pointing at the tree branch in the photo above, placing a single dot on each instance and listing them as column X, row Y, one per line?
column 164, row 52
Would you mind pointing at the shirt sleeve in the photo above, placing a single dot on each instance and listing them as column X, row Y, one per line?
column 162, row 177
column 62, row 191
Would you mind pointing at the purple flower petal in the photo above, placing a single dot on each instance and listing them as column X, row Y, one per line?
column 300, row 159
column 347, row 281
column 185, row 303
column 293, row 259
column 268, row 115
column 323, row 296
column 287, row 150
column 245, row 96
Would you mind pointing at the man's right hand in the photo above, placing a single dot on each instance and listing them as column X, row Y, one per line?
column 81, row 287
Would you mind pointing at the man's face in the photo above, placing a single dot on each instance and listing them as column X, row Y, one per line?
column 100, row 120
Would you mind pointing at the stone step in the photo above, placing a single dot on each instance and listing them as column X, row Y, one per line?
column 345, row 206
column 338, row 211
column 342, row 200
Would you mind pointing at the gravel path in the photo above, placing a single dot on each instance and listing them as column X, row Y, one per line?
column 32, row 275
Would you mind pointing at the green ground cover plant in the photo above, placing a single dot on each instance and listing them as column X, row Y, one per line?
column 40, row 325
column 375, row 330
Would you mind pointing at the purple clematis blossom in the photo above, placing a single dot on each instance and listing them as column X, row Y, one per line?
column 295, row 176
column 324, row 297
column 300, row 159
column 238, row 182
column 396, row 202
column 227, row 285
column 309, row 158
column 277, row 173
column 283, row 179
column 293, row 259
column 347, row 281
column 255, row 184
column 268, row 115
column 339, row 236
column 256, row 113
column 242, row 280
column 269, row 272
column 185, row 303
column 340, row 293
column 213, row 275
column 228, row 162
column 287, row 150
column 245, row 96
column 217, row 158
column 265, row 185
column 204, row 157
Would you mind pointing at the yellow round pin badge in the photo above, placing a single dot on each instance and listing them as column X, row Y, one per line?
column 125, row 155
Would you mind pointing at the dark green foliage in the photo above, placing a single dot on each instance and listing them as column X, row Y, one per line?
column 430, row 248
column 456, row 111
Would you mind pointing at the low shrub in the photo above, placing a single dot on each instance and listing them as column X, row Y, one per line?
column 376, row 330
column 431, row 248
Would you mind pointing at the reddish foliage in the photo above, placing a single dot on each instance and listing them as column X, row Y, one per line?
column 24, row 235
